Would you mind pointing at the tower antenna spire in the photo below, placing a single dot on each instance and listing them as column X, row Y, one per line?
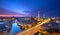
column 38, row 15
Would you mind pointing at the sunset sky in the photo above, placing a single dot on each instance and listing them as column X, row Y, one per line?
column 48, row 8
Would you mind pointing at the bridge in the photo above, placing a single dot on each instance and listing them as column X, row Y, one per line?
column 34, row 29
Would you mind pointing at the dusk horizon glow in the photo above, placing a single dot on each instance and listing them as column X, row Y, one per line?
column 51, row 8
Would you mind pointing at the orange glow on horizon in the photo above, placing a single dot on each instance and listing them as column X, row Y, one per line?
column 12, row 15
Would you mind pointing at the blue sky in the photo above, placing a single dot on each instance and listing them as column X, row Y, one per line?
column 30, row 7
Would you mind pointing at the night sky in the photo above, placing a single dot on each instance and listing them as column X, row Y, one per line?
column 49, row 8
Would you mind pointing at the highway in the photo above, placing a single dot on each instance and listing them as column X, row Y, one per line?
column 34, row 29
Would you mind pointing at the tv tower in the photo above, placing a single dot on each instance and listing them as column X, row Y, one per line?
column 43, row 15
column 38, row 14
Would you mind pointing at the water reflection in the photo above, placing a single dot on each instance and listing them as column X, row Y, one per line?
column 15, row 28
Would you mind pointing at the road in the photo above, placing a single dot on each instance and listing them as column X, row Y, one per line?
column 33, row 30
